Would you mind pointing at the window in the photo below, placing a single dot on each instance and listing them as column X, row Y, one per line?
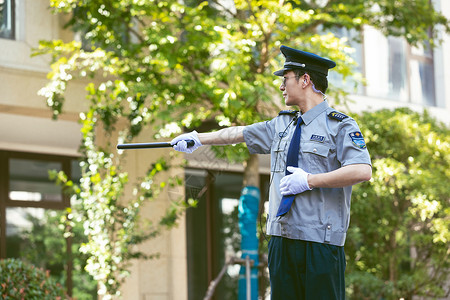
column 397, row 71
column 31, row 207
column 353, row 38
column 213, row 230
column 422, row 75
column 7, row 19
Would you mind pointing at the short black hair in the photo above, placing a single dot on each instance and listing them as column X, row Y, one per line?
column 320, row 81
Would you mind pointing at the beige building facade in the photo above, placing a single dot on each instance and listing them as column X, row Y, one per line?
column 398, row 75
column 31, row 142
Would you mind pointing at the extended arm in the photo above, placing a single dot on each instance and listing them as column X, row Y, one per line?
column 226, row 136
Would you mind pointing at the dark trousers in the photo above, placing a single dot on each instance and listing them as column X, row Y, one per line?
column 305, row 270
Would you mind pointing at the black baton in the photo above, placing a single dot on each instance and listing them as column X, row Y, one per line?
column 190, row 143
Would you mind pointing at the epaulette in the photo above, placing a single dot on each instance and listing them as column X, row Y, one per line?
column 288, row 112
column 337, row 115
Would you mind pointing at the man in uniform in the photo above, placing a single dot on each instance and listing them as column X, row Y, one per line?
column 317, row 154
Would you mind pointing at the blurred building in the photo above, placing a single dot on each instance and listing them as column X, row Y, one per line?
column 192, row 254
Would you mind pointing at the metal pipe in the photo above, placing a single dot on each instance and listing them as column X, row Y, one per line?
column 247, row 277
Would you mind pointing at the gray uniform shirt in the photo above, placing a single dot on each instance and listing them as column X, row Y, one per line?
column 329, row 140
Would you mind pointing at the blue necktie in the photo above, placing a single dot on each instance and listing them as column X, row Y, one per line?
column 292, row 160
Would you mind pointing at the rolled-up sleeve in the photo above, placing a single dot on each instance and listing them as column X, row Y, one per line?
column 259, row 137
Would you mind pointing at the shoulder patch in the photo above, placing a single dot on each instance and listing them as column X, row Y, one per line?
column 357, row 139
column 337, row 115
column 288, row 112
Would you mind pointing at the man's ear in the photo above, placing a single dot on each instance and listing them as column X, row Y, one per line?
column 305, row 80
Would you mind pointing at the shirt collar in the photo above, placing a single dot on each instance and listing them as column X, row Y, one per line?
column 311, row 114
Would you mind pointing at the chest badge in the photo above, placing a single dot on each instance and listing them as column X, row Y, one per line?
column 317, row 138
column 358, row 139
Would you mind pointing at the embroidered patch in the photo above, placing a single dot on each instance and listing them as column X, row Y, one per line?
column 357, row 139
column 337, row 115
column 282, row 134
column 317, row 138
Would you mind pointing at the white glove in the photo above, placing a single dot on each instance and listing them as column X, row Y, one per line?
column 179, row 143
column 295, row 183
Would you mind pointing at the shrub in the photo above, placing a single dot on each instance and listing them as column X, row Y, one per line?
column 398, row 241
column 20, row 280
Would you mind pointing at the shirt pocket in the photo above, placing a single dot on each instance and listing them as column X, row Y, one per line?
column 316, row 156
column 279, row 153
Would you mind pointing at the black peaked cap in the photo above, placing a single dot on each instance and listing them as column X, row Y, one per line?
column 297, row 59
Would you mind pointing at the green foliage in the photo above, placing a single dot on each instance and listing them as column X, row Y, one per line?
column 45, row 246
column 184, row 64
column 399, row 234
column 20, row 280
column 177, row 65
column 112, row 227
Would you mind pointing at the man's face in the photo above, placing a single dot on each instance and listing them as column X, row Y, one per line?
column 291, row 87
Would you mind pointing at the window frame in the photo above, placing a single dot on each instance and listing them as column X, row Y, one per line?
column 420, row 58
column 6, row 202
column 409, row 57
column 12, row 16
column 209, row 216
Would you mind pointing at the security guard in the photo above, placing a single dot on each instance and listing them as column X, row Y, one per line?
column 317, row 154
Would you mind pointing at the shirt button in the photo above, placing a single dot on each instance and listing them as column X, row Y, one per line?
column 328, row 227
column 314, row 150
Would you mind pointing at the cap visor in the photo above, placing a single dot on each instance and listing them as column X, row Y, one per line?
column 279, row 72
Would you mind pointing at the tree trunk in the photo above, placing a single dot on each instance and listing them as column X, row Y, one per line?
column 392, row 258
column 251, row 171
